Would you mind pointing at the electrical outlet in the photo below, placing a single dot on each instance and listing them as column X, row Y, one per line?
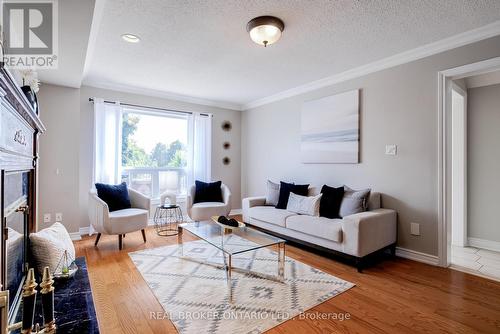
column 59, row 217
column 391, row 149
column 414, row 229
column 47, row 218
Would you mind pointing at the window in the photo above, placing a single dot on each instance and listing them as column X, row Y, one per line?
column 154, row 151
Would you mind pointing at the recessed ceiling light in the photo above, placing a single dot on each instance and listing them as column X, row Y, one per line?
column 265, row 30
column 131, row 38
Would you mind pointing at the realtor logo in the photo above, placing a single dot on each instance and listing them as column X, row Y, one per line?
column 30, row 33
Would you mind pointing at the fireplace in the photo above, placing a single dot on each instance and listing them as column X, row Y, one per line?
column 16, row 215
column 19, row 131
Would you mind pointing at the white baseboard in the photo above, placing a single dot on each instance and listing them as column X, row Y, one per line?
column 236, row 212
column 78, row 235
column 84, row 230
column 417, row 256
column 75, row 236
column 484, row 244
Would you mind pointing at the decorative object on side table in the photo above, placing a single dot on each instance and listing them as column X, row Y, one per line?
column 30, row 87
column 167, row 216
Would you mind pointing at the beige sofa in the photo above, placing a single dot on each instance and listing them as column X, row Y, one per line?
column 357, row 235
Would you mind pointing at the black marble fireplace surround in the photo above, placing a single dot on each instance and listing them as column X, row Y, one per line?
column 73, row 304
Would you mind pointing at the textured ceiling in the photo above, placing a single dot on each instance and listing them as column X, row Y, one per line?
column 75, row 18
column 201, row 48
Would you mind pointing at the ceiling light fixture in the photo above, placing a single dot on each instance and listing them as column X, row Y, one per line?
column 131, row 38
column 265, row 30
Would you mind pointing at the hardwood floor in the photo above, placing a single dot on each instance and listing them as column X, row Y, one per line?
column 395, row 296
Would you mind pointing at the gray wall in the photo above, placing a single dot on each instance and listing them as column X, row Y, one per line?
column 398, row 106
column 483, row 162
column 68, row 142
column 58, row 192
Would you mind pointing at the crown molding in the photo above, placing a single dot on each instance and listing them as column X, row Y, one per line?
column 161, row 94
column 449, row 43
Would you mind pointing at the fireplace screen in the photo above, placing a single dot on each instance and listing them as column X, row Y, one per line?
column 15, row 201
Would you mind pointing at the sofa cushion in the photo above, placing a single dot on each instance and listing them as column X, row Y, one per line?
column 270, row 215
column 273, row 193
column 354, row 201
column 286, row 189
column 320, row 227
column 304, row 205
column 128, row 220
column 330, row 201
column 205, row 210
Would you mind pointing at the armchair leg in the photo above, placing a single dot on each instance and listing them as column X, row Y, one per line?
column 143, row 235
column 97, row 239
column 120, row 237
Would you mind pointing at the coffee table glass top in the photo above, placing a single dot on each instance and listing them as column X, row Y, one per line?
column 240, row 240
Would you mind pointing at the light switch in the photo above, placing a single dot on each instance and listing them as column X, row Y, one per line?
column 414, row 229
column 47, row 218
column 391, row 149
column 59, row 217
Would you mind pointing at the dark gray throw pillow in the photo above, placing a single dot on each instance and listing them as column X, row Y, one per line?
column 115, row 196
column 354, row 201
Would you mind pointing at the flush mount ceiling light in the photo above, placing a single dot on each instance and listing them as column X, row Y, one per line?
column 265, row 30
column 131, row 38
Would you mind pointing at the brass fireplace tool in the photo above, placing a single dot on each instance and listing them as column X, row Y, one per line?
column 29, row 301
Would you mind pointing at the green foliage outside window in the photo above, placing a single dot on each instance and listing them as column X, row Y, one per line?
column 173, row 155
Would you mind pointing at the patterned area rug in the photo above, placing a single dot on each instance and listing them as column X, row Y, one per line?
column 195, row 296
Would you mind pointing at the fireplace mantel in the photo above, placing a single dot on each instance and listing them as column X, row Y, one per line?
column 20, row 128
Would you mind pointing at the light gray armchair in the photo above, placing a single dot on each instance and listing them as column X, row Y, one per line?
column 119, row 222
column 205, row 210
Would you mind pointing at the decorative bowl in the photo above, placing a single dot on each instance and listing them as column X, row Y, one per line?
column 227, row 227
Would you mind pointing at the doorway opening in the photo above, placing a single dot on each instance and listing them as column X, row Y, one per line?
column 469, row 233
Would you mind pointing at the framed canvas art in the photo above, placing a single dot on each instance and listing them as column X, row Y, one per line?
column 330, row 129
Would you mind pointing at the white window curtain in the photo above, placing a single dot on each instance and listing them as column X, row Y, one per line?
column 200, row 148
column 107, row 142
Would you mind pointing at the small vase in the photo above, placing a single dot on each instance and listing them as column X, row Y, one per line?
column 31, row 96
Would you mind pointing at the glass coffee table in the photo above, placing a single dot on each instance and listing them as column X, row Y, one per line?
column 249, row 240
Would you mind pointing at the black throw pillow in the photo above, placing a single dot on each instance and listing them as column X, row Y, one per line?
column 286, row 189
column 115, row 196
column 329, row 205
column 208, row 192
